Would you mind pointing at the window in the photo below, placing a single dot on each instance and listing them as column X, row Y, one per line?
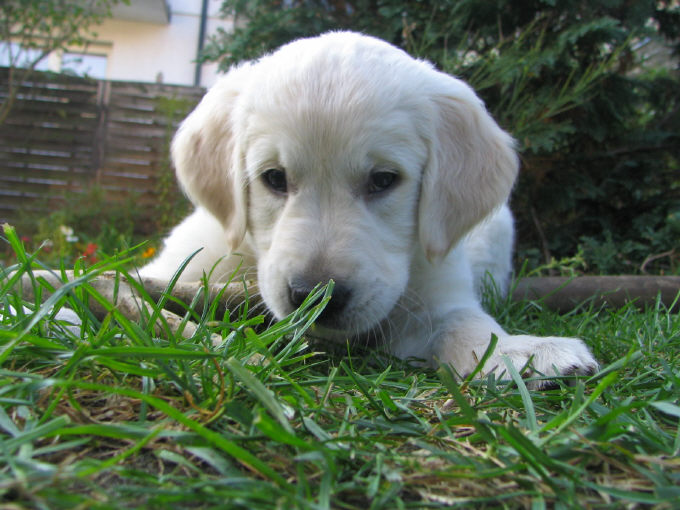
column 83, row 64
column 22, row 57
column 79, row 64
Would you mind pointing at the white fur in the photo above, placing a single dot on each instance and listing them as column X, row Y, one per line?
column 329, row 111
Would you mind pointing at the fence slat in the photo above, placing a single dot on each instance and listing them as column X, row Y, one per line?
column 66, row 133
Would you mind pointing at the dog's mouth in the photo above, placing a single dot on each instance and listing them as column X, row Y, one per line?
column 339, row 310
column 339, row 320
column 347, row 326
column 336, row 317
column 353, row 311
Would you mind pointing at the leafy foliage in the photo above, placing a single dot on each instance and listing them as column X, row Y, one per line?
column 589, row 89
column 78, row 228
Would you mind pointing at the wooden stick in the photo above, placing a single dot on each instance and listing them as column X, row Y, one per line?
column 556, row 292
column 118, row 291
column 563, row 293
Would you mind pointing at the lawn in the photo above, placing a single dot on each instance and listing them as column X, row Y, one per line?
column 121, row 415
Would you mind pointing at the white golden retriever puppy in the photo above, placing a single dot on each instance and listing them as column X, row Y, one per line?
column 341, row 157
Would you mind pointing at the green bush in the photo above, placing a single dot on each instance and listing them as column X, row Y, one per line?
column 589, row 89
column 82, row 228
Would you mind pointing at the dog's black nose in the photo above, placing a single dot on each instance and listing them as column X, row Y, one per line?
column 298, row 290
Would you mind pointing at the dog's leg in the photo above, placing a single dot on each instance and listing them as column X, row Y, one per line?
column 201, row 237
column 466, row 336
column 488, row 248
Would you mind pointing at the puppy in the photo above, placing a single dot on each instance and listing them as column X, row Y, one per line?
column 341, row 157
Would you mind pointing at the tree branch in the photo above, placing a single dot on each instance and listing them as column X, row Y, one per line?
column 555, row 292
column 119, row 292
column 564, row 293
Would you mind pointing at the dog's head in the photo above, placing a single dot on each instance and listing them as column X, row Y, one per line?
column 339, row 157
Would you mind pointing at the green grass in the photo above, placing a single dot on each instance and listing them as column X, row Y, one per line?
column 115, row 417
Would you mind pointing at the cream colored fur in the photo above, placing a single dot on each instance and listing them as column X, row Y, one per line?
column 330, row 112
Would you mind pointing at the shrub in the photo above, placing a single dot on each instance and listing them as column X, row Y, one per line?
column 589, row 89
column 81, row 229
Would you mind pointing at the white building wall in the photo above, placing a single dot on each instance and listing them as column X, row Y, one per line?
column 144, row 51
column 150, row 52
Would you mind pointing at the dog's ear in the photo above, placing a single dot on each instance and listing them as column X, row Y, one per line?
column 203, row 152
column 470, row 172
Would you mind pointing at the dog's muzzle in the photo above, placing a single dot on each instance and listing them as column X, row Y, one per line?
column 299, row 289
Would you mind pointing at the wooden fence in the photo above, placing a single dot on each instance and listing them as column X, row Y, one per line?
column 67, row 134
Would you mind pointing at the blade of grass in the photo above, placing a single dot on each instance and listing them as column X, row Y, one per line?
column 530, row 412
column 361, row 384
column 263, row 394
column 445, row 373
column 560, row 422
column 30, row 435
column 493, row 342
column 122, row 456
column 239, row 454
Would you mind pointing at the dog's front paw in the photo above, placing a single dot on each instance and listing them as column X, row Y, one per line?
column 543, row 356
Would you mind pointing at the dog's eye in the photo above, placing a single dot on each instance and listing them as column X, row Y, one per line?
column 381, row 181
column 275, row 179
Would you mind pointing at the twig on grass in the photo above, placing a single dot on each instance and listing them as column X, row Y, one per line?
column 121, row 295
column 565, row 293
column 557, row 293
column 135, row 300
